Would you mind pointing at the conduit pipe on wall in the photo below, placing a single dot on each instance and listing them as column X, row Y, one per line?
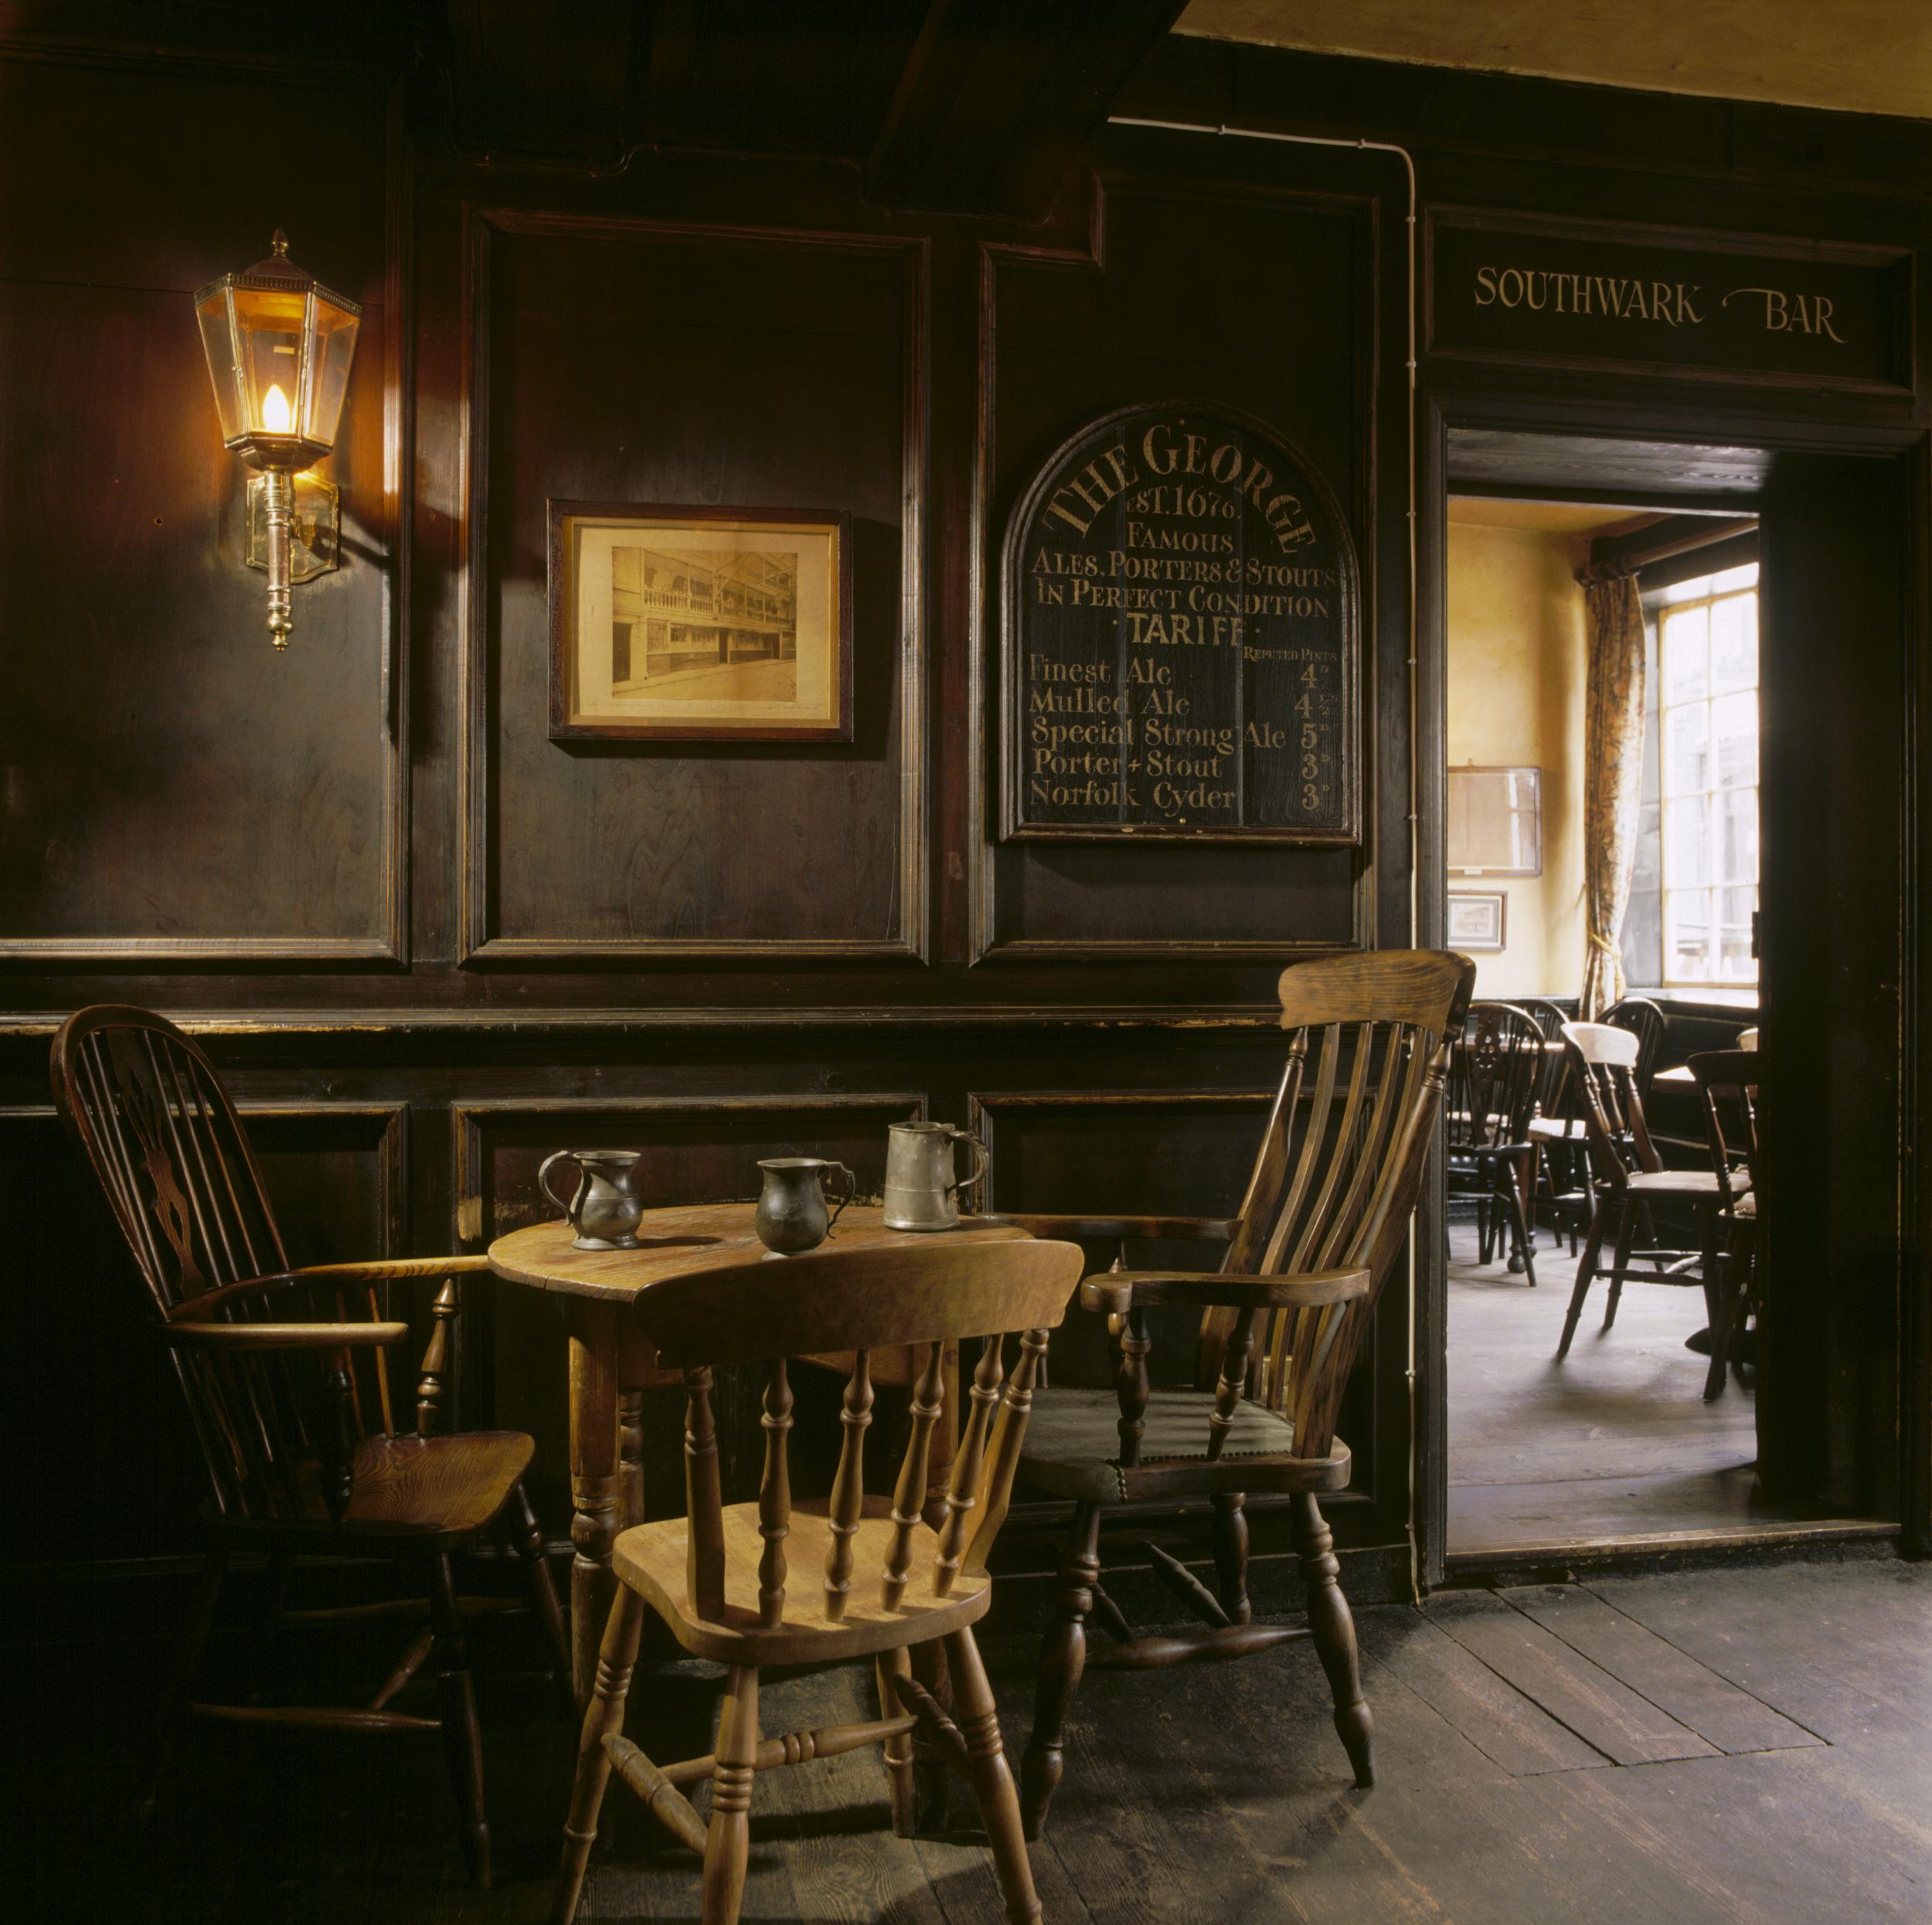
column 1415, row 782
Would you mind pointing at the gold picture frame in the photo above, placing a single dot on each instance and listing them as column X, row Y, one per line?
column 699, row 624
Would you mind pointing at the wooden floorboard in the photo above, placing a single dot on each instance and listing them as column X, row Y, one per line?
column 1192, row 1796
column 1606, row 1714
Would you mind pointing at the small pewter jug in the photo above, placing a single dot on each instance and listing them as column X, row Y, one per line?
column 791, row 1217
column 604, row 1211
column 921, row 1187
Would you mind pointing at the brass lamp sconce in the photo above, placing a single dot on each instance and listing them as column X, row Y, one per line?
column 279, row 345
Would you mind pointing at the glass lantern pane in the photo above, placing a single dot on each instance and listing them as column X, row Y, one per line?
column 271, row 325
column 1734, row 722
column 1686, row 648
column 1686, row 750
column 1687, row 842
column 1734, row 643
column 218, row 344
column 333, row 350
column 1687, row 936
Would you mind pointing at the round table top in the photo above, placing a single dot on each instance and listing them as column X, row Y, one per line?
column 689, row 1237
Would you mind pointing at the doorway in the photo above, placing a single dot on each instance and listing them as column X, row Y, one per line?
column 1615, row 1449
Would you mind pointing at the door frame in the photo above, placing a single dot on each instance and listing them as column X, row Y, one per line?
column 1440, row 412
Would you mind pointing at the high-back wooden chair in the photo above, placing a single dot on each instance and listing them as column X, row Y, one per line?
column 303, row 1427
column 1727, row 1080
column 781, row 1582
column 1630, row 1179
column 1556, row 1130
column 1327, row 1208
column 1496, row 1065
column 1648, row 1024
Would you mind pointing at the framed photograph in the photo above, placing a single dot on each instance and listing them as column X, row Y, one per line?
column 1496, row 822
column 1477, row 918
column 699, row 624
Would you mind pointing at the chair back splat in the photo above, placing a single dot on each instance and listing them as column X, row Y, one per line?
column 922, row 1296
column 1340, row 1166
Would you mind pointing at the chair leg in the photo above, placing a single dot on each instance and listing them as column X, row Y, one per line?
column 892, row 1666
column 1231, row 1555
column 1061, row 1663
column 604, row 1718
column 527, row 1535
column 974, row 1713
column 727, row 1846
column 1333, row 1627
column 1509, row 1196
column 1626, row 1237
column 1720, row 1292
column 181, row 1681
column 462, row 1736
column 1586, row 1273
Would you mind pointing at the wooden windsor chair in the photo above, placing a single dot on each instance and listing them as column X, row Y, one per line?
column 1630, row 1180
column 1647, row 1023
column 300, row 1422
column 881, row 1580
column 1559, row 1173
column 1727, row 1080
column 1327, row 1209
column 1496, row 1066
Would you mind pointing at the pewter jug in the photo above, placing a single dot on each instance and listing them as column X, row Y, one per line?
column 791, row 1217
column 922, row 1186
column 604, row 1211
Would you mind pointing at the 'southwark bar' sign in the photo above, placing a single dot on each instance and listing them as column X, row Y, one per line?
column 1179, row 619
column 1774, row 310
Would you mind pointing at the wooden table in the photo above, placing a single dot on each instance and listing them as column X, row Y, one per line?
column 612, row 1364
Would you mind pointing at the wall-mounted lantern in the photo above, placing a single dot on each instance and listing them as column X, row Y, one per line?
column 279, row 345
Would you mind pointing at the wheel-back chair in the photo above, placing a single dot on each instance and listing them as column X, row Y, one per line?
column 1496, row 1065
column 1326, row 1210
column 817, row 1582
column 304, row 1428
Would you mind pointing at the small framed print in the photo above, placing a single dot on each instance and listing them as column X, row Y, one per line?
column 699, row 624
column 1477, row 918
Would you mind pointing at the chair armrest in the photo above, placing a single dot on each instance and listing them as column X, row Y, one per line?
column 384, row 1269
column 1113, row 1292
column 267, row 1336
column 1219, row 1230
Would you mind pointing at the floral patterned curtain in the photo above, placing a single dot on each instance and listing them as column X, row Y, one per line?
column 1613, row 771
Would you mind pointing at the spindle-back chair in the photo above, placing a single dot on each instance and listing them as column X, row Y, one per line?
column 786, row 1582
column 1326, row 1210
column 301, row 1423
column 1496, row 1065
column 1727, row 1080
column 1556, row 1131
column 1648, row 1024
column 1630, row 1179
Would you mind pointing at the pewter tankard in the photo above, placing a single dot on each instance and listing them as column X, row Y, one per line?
column 604, row 1210
column 922, row 1189
column 790, row 1217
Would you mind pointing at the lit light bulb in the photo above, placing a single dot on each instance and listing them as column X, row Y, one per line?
column 275, row 417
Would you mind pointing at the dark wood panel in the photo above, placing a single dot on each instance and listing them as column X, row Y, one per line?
column 1203, row 294
column 651, row 364
column 89, row 1412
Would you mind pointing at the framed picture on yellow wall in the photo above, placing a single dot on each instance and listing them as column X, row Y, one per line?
column 1478, row 918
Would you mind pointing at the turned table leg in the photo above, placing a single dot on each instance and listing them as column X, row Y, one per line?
column 596, row 1483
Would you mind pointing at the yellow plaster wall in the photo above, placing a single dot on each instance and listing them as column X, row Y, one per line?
column 1515, row 700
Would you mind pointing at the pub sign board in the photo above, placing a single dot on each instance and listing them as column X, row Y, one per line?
column 1181, row 641
column 1757, row 309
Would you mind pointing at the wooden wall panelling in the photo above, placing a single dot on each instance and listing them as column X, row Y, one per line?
column 90, row 1415
column 177, row 792
column 750, row 366
column 697, row 1148
column 1153, row 310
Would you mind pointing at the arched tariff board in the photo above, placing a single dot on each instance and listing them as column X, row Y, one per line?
column 1181, row 639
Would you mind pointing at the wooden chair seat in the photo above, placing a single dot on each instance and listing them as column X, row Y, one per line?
column 1073, row 1444
column 1556, row 1129
column 652, row 1559
column 1699, row 1185
column 430, row 1490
